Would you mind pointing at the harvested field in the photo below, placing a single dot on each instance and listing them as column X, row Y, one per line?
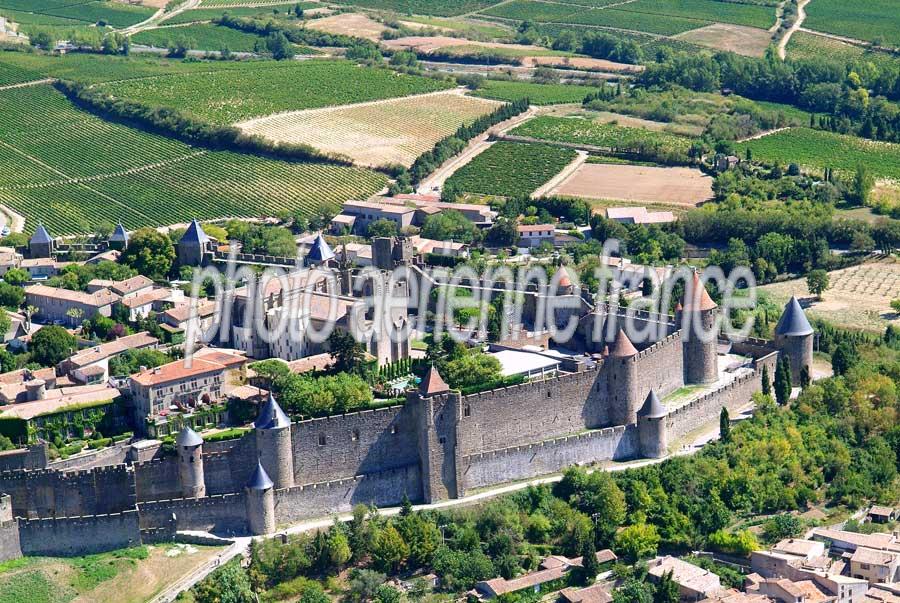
column 678, row 186
column 349, row 24
column 740, row 39
column 429, row 44
column 581, row 63
column 858, row 297
column 376, row 133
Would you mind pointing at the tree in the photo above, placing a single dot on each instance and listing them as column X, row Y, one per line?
column 387, row 594
column 16, row 277
column 51, row 345
column 666, row 590
column 337, row 548
column 11, row 296
column 471, row 370
column 863, row 182
column 781, row 526
column 229, row 584
column 348, row 353
column 363, row 585
column 844, row 358
column 783, row 381
column 450, row 225
column 589, row 565
column 766, row 383
column 149, row 252
column 817, row 282
column 724, row 425
column 805, row 378
column 381, row 228
column 389, row 550
column 633, row 591
column 597, row 495
column 637, row 541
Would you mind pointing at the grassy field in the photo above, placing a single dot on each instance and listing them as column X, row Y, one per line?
column 537, row 94
column 510, row 169
column 204, row 36
column 872, row 20
column 395, row 131
column 457, row 25
column 817, row 149
column 124, row 576
column 69, row 12
column 72, row 170
column 607, row 135
column 257, row 89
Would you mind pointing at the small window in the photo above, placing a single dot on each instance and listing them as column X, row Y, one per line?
column 467, row 411
column 549, row 394
column 321, row 439
column 355, row 435
column 443, row 440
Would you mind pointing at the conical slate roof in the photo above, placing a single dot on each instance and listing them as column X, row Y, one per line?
column 320, row 251
column 260, row 479
column 188, row 437
column 700, row 300
column 119, row 235
column 622, row 346
column 793, row 322
column 194, row 234
column 271, row 416
column 433, row 383
column 41, row 236
column 653, row 408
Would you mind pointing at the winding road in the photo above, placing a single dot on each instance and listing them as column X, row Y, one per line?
column 798, row 22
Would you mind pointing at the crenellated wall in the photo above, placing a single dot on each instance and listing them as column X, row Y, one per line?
column 65, row 536
column 33, row 457
column 50, row 493
column 549, row 456
column 222, row 513
column 339, row 496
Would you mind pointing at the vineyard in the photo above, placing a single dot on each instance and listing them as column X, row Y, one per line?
column 208, row 14
column 203, row 36
column 254, row 89
column 605, row 135
column 537, row 94
column 817, row 149
column 872, row 20
column 280, row 4
column 379, row 133
column 72, row 171
column 72, row 12
column 444, row 8
column 13, row 74
column 707, row 10
column 511, row 169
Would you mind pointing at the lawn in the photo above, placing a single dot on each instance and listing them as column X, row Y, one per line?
column 818, row 149
column 123, row 173
column 257, row 89
column 537, row 94
column 872, row 20
column 511, row 169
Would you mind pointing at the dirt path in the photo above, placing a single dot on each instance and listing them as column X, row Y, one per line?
column 48, row 80
column 561, row 176
column 801, row 16
column 476, row 146
column 159, row 16
column 763, row 134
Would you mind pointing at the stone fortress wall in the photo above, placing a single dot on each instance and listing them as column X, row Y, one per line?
column 438, row 445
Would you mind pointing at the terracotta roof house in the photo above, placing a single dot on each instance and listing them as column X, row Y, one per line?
column 54, row 304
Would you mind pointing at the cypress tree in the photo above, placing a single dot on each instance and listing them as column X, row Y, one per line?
column 783, row 381
column 804, row 377
column 766, row 383
column 724, row 425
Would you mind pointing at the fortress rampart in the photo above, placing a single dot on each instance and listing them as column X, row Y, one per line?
column 437, row 445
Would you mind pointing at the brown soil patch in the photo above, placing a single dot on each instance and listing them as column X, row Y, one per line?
column 349, row 24
column 678, row 186
column 150, row 3
column 581, row 63
column 421, row 26
column 748, row 41
column 858, row 297
column 379, row 132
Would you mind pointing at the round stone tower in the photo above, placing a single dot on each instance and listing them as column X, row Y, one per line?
column 273, row 443
column 699, row 334
column 794, row 337
column 622, row 381
column 190, row 463
column 652, row 427
column 260, row 502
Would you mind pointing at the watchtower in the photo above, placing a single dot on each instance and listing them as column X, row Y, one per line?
column 794, row 338
column 190, row 463
column 699, row 334
column 273, row 443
